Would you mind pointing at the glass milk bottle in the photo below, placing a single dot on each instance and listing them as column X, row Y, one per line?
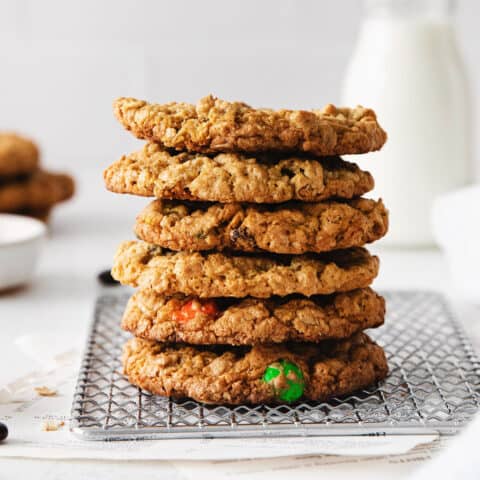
column 407, row 67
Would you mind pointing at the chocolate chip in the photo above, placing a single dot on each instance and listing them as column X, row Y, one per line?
column 3, row 432
column 105, row 278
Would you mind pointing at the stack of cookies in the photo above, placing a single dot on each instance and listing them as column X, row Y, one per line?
column 253, row 283
column 25, row 188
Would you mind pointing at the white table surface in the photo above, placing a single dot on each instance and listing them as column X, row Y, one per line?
column 60, row 301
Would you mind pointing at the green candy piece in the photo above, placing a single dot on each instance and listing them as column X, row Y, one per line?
column 287, row 380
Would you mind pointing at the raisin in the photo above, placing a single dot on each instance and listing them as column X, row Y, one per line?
column 241, row 233
column 286, row 172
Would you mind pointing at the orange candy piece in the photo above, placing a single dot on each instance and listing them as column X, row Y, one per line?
column 188, row 310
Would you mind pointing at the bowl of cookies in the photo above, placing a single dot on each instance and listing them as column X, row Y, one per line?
column 21, row 241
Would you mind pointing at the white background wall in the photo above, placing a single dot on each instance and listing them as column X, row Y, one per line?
column 63, row 62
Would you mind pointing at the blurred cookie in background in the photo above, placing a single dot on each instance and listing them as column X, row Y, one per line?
column 18, row 155
column 42, row 214
column 37, row 191
column 25, row 188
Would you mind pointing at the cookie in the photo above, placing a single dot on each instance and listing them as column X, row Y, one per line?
column 231, row 177
column 293, row 228
column 269, row 374
column 145, row 265
column 37, row 192
column 251, row 321
column 18, row 155
column 214, row 125
column 42, row 214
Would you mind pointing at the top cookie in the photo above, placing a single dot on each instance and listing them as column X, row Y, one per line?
column 214, row 125
column 18, row 155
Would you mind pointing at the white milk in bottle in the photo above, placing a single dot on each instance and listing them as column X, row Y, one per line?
column 407, row 68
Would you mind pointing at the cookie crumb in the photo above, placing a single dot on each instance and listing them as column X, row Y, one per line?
column 45, row 392
column 52, row 426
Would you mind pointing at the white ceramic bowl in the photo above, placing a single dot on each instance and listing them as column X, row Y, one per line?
column 21, row 240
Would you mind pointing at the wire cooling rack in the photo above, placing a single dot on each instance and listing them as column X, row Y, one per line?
column 433, row 386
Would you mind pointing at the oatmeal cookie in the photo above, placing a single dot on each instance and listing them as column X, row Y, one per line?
column 251, row 321
column 145, row 265
column 287, row 228
column 18, row 155
column 37, row 192
column 42, row 214
column 214, row 125
column 282, row 373
column 231, row 177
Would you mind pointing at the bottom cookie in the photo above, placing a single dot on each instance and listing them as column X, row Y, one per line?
column 283, row 373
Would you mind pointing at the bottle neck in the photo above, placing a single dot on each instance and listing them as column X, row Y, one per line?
column 409, row 9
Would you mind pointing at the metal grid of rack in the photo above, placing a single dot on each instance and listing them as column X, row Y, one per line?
column 433, row 386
